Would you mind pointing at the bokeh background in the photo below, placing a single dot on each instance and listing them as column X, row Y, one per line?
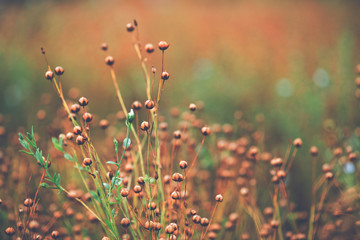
column 292, row 61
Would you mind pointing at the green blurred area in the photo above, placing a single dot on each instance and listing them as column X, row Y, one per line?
column 293, row 62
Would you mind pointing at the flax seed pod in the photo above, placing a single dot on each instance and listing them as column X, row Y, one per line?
column 205, row 131
column 144, row 126
column 163, row 45
column 297, row 143
column 125, row 222
column 104, row 46
column 219, row 198
column 183, row 164
column 87, row 162
column 149, row 48
column 83, row 101
column 59, row 71
column 149, row 104
column 165, row 75
column 87, row 117
column 109, row 60
column 130, row 27
column 192, row 107
column 124, row 192
column 136, row 105
column 49, row 75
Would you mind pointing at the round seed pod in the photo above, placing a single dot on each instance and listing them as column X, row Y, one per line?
column 329, row 176
column 149, row 48
column 169, row 229
column 9, row 231
column 109, row 60
column 165, row 75
column 276, row 162
column 70, row 136
column 144, row 126
column 297, row 143
column 49, row 75
column 177, row 134
column 183, row 164
column 124, row 192
column 55, row 234
column 87, row 161
column 77, row 130
column 196, row 219
column 125, row 222
column 205, row 131
column 130, row 27
column 75, row 108
column 83, row 101
column 152, row 206
column 104, row 123
column 87, row 117
column 80, row 140
column 281, row 174
column 219, row 198
column 192, row 107
column 177, row 177
column 314, row 151
column 59, row 71
column 149, row 104
column 136, row 105
column 28, row 202
column 104, row 46
column 137, row 189
column 204, row 222
column 163, row 45
column 175, row 195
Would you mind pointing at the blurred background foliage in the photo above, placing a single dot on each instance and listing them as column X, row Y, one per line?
column 293, row 61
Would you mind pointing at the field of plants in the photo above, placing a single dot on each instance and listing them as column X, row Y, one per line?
column 179, row 120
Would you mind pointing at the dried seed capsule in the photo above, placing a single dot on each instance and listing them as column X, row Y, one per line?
column 149, row 48
column 49, row 75
column 83, row 101
column 297, row 143
column 9, row 231
column 152, row 206
column 141, row 180
column 130, row 27
column 204, row 222
column 169, row 229
column 183, row 164
column 124, row 192
column 59, row 70
column 144, row 126
column 177, row 177
column 87, row 117
column 109, row 60
column 276, row 162
column 163, row 45
column 314, row 151
column 87, row 161
column 104, row 123
column 196, row 219
column 165, row 75
column 28, row 202
column 149, row 104
column 205, row 131
column 80, row 140
column 125, row 222
column 175, row 195
column 329, row 176
column 104, row 47
column 137, row 189
column 274, row 224
column 75, row 108
column 219, row 198
column 55, row 234
column 136, row 105
column 77, row 130
column 157, row 226
column 192, row 107
column 177, row 134
column 281, row 174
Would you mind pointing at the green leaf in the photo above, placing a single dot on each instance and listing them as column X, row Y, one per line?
column 45, row 185
column 113, row 211
column 39, row 157
column 106, row 186
column 116, row 143
column 23, row 143
column 57, row 144
column 58, row 179
column 126, row 142
column 29, row 153
column 111, row 162
column 68, row 157
column 95, row 196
